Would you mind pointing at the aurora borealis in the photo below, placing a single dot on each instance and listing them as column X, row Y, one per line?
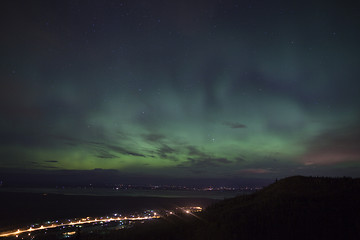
column 180, row 89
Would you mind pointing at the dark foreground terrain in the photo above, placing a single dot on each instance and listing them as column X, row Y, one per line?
column 292, row 208
column 19, row 209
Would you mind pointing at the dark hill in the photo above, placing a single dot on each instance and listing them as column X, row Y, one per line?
column 292, row 208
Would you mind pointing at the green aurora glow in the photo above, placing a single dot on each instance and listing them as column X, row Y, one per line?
column 206, row 89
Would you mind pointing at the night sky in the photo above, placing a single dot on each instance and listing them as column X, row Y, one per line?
column 179, row 89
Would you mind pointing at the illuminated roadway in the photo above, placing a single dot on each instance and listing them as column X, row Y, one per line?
column 83, row 221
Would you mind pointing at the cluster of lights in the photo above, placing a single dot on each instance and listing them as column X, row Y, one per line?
column 82, row 221
column 87, row 220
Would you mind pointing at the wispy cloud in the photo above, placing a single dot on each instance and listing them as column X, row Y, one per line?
column 208, row 162
column 234, row 125
column 105, row 154
column 153, row 137
column 122, row 150
column 103, row 150
column 164, row 150
column 194, row 151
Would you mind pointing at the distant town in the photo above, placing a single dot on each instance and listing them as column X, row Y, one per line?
column 71, row 227
column 147, row 187
column 187, row 188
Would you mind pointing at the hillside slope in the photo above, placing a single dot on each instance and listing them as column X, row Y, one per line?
column 292, row 208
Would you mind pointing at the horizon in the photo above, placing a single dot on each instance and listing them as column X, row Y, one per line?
column 105, row 181
column 58, row 178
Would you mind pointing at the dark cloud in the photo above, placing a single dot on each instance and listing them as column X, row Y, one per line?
column 334, row 146
column 194, row 151
column 153, row 137
column 207, row 162
column 201, row 163
column 51, row 161
column 100, row 147
column 235, row 125
column 124, row 151
column 222, row 160
column 105, row 154
column 167, row 152
column 123, row 135
column 164, row 150
column 198, row 158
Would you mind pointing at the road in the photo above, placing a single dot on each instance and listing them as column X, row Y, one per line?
column 83, row 221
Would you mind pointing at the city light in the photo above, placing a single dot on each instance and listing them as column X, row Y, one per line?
column 147, row 215
column 80, row 222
